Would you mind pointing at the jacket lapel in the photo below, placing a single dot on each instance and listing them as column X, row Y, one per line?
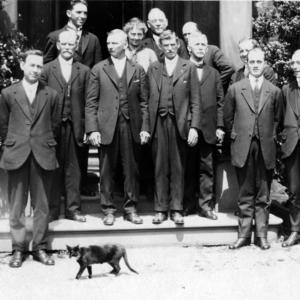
column 179, row 69
column 158, row 74
column 265, row 94
column 85, row 41
column 205, row 74
column 293, row 98
column 246, row 92
column 57, row 73
column 20, row 97
column 130, row 69
column 110, row 70
column 75, row 72
column 41, row 99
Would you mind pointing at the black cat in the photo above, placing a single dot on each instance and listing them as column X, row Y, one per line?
column 109, row 253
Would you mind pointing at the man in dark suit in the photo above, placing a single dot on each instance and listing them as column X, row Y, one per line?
column 29, row 119
column 245, row 46
column 70, row 79
column 214, row 57
column 117, row 121
column 157, row 23
column 88, row 52
column 291, row 147
column 252, row 113
column 200, row 165
column 174, row 121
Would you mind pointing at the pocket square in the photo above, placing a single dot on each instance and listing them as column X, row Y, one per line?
column 136, row 80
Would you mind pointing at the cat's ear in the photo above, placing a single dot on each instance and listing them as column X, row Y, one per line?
column 77, row 247
column 68, row 247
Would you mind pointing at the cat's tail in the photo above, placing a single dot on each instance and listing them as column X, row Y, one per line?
column 127, row 262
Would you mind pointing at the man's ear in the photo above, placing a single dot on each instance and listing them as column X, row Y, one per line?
column 148, row 25
column 58, row 45
column 68, row 13
column 22, row 64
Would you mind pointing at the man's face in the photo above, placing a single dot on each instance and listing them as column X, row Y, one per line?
column 256, row 63
column 157, row 22
column 135, row 36
column 198, row 47
column 78, row 14
column 32, row 68
column 187, row 30
column 116, row 45
column 170, row 47
column 295, row 64
column 66, row 46
column 244, row 48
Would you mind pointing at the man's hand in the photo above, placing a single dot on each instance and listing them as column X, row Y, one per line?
column 95, row 139
column 144, row 136
column 193, row 137
column 220, row 135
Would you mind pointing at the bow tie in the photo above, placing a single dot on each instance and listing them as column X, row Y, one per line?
column 199, row 66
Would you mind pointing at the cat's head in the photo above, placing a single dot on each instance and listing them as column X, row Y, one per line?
column 73, row 251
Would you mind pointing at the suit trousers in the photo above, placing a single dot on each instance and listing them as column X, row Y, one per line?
column 169, row 151
column 122, row 146
column 30, row 177
column 67, row 177
column 292, row 164
column 199, row 176
column 254, row 193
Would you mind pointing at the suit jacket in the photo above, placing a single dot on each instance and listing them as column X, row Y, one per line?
column 52, row 76
column 23, row 133
column 185, row 95
column 212, row 102
column 239, row 120
column 291, row 131
column 215, row 58
column 91, row 49
column 149, row 42
column 269, row 74
column 102, row 105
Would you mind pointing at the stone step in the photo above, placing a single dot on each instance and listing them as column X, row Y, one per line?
column 195, row 231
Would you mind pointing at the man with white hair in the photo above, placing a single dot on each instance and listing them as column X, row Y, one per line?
column 200, row 169
column 70, row 79
column 291, row 147
column 117, row 122
column 214, row 57
column 157, row 23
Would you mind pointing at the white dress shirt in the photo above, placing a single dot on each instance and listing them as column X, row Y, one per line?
column 156, row 40
column 298, row 81
column 66, row 67
column 199, row 70
column 256, row 82
column 119, row 65
column 171, row 64
column 30, row 89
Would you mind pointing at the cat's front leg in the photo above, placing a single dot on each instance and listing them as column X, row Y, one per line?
column 82, row 268
column 90, row 271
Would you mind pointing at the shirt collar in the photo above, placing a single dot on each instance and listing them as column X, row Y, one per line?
column 30, row 86
column 171, row 61
column 254, row 80
column 70, row 25
column 118, row 60
column 65, row 62
column 198, row 64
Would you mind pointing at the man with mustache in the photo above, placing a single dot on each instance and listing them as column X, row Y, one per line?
column 117, row 121
column 70, row 79
column 252, row 114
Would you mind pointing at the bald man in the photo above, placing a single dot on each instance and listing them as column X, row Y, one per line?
column 117, row 121
column 158, row 23
column 214, row 57
column 70, row 79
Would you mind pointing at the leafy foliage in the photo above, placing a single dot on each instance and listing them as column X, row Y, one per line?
column 277, row 29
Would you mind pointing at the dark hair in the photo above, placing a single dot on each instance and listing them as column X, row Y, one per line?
column 168, row 35
column 74, row 2
column 25, row 54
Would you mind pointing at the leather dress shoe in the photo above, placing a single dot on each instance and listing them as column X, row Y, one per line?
column 17, row 259
column 160, row 217
column 292, row 240
column 133, row 217
column 109, row 220
column 262, row 243
column 177, row 218
column 76, row 217
column 43, row 257
column 209, row 214
column 239, row 243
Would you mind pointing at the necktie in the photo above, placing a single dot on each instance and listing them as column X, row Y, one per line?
column 256, row 86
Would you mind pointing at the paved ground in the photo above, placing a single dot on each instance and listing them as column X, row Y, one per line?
column 165, row 273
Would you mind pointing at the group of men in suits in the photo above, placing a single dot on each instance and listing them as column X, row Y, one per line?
column 178, row 107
